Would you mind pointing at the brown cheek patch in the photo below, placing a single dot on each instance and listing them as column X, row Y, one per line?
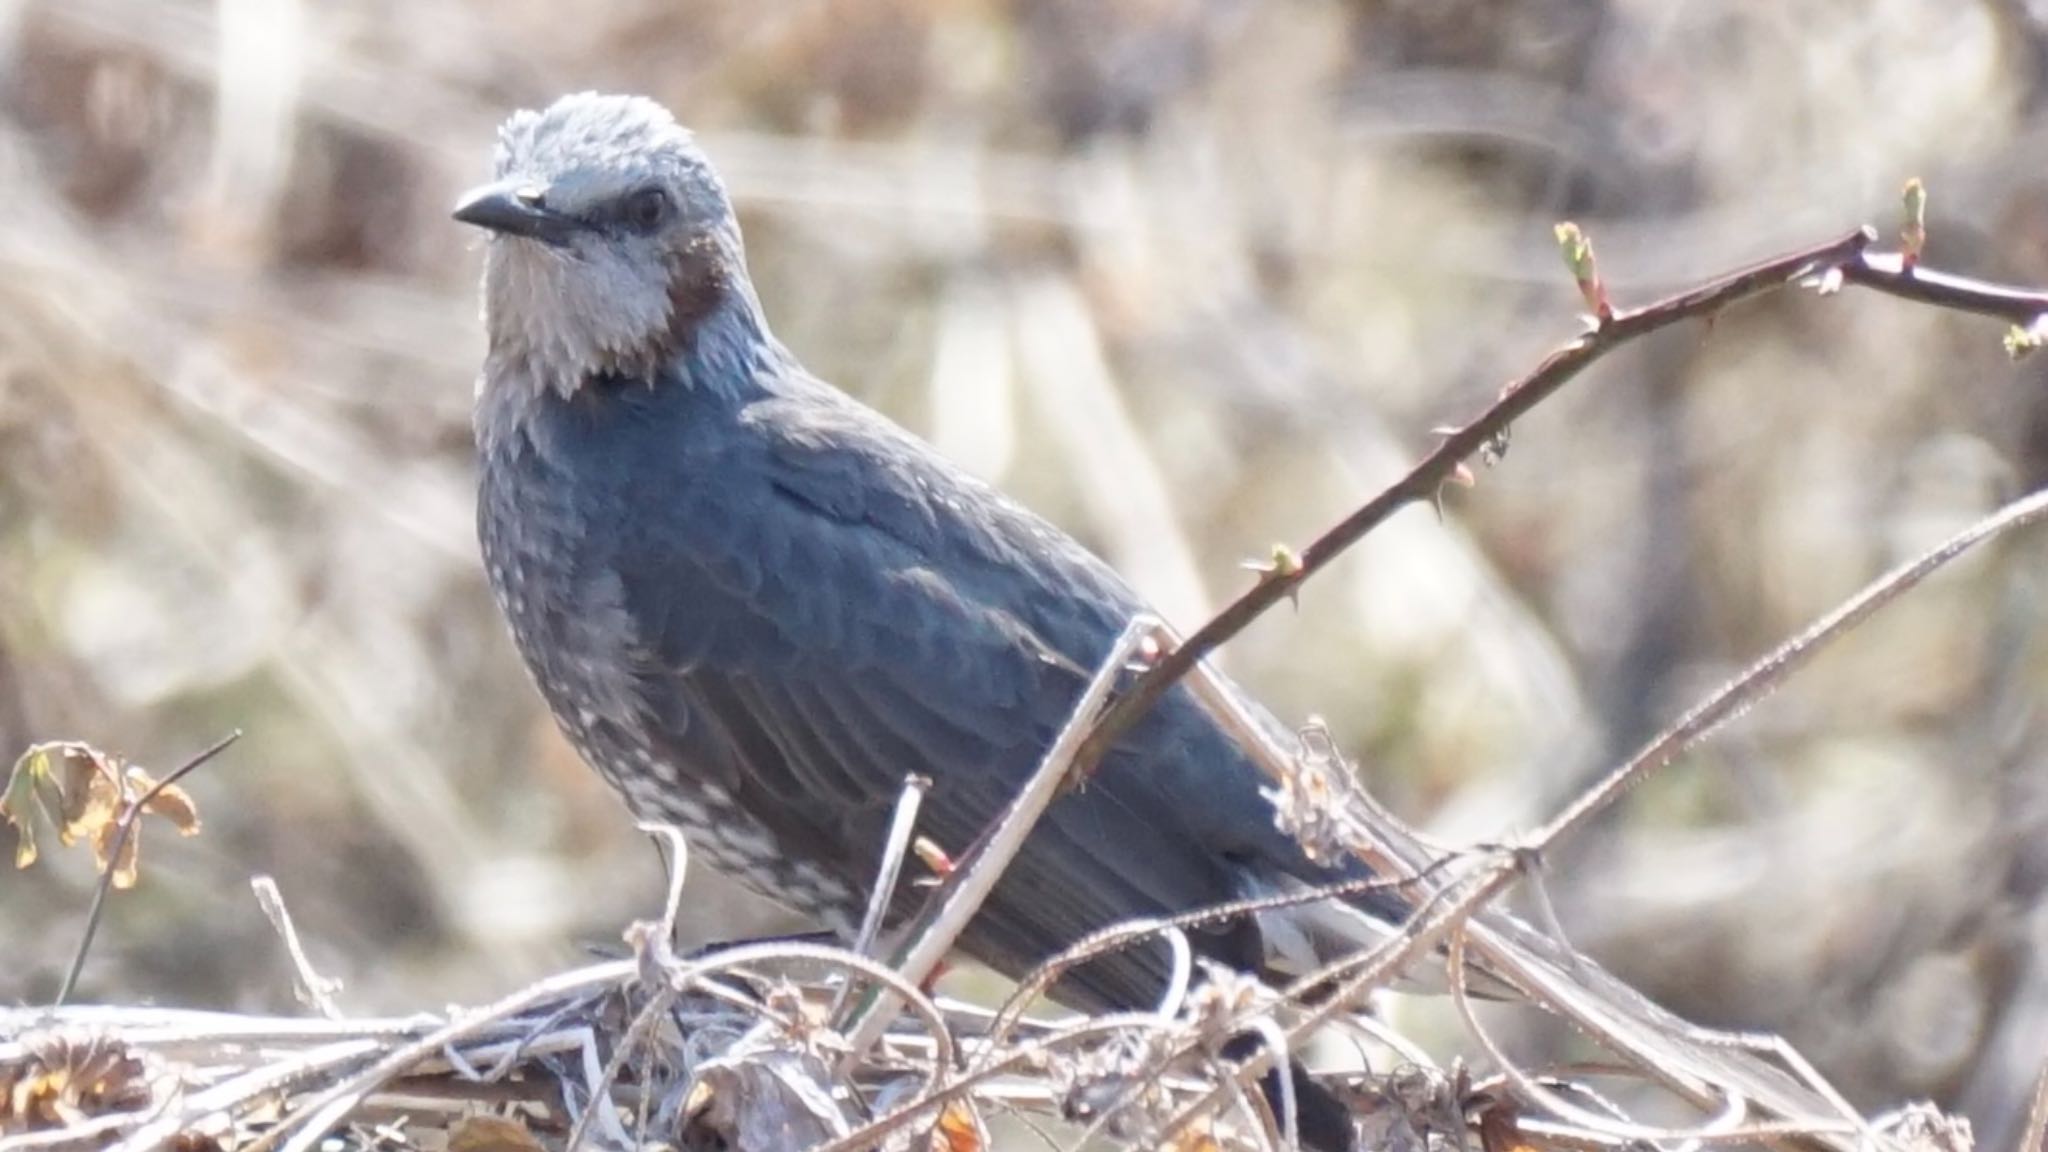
column 699, row 278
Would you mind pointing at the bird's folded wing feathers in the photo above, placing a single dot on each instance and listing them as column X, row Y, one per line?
column 855, row 629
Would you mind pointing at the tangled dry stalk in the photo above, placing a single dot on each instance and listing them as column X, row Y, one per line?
column 795, row 1045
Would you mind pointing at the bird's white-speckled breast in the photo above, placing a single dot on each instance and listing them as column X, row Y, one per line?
column 578, row 645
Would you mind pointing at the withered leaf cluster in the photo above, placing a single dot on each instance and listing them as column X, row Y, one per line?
column 66, row 1078
column 87, row 794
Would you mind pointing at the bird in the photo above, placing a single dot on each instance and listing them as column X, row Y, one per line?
column 755, row 605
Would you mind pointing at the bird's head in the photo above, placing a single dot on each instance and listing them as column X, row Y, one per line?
column 612, row 241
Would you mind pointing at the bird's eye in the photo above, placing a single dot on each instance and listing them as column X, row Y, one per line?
column 646, row 209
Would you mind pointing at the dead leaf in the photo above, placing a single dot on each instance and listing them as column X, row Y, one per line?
column 89, row 786
column 491, row 1134
column 1500, row 1128
column 69, row 1078
column 761, row 1097
column 85, row 794
column 115, row 853
column 171, row 802
column 1199, row 1136
column 958, row 1130
column 18, row 797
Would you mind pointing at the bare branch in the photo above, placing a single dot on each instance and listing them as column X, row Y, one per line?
column 314, row 990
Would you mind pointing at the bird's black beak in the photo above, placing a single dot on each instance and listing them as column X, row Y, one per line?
column 514, row 208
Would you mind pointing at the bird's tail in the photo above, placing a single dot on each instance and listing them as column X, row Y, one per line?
column 1305, row 937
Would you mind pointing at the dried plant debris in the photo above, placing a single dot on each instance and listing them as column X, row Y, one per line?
column 1306, row 800
column 86, row 794
column 66, row 1078
column 490, row 1133
column 958, row 1129
column 600, row 1059
column 766, row 1098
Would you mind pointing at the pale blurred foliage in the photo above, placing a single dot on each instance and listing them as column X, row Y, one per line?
column 1190, row 276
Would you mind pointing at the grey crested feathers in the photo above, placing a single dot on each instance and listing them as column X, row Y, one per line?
column 629, row 239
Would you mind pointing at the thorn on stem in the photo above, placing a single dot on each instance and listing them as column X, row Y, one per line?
column 1150, row 651
column 1281, row 563
column 1492, row 452
column 934, row 858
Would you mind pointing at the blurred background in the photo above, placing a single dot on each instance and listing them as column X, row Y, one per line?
column 1192, row 277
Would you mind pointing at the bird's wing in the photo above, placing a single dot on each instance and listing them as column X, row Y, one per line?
column 853, row 611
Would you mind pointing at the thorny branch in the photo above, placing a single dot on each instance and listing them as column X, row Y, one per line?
column 1451, row 908
column 1846, row 259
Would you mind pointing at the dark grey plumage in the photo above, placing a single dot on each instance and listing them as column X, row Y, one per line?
column 755, row 605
